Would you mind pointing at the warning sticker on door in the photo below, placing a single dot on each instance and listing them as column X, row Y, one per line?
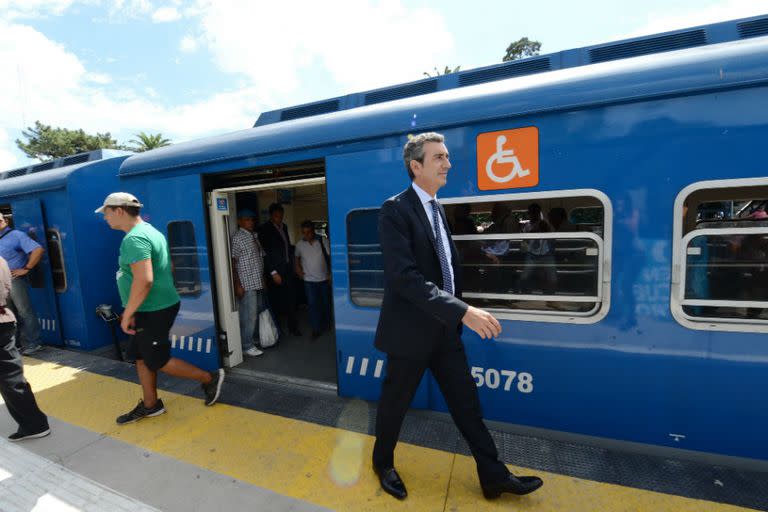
column 508, row 159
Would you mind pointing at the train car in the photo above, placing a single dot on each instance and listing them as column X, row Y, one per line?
column 50, row 202
column 634, row 313
column 604, row 333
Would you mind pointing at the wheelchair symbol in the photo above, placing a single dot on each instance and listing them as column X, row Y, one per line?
column 505, row 156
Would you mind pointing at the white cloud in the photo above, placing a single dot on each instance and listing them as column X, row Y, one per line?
column 80, row 98
column 98, row 78
column 14, row 9
column 122, row 10
column 675, row 19
column 166, row 14
column 188, row 44
column 360, row 44
column 7, row 159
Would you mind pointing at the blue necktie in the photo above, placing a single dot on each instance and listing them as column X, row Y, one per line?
column 444, row 264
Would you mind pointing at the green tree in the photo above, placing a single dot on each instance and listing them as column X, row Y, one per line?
column 445, row 71
column 521, row 48
column 145, row 142
column 47, row 143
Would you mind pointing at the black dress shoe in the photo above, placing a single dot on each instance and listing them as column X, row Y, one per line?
column 391, row 483
column 519, row 485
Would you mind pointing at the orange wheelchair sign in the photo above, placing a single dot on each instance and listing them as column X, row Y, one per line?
column 508, row 159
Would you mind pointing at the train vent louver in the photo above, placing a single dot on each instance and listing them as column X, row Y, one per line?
column 753, row 28
column 403, row 91
column 309, row 110
column 42, row 167
column 76, row 159
column 16, row 172
column 649, row 45
column 513, row 69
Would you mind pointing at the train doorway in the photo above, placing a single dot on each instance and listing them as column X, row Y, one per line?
column 302, row 352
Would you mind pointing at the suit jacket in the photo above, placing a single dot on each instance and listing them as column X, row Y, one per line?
column 274, row 248
column 416, row 314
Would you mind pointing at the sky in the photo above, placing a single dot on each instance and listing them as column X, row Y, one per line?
column 193, row 68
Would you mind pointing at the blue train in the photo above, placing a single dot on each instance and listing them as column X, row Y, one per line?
column 608, row 203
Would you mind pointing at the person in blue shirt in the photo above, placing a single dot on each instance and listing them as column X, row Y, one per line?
column 22, row 254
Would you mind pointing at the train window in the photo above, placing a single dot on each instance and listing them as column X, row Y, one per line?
column 548, row 269
column 184, row 257
column 56, row 256
column 720, row 258
column 529, row 259
column 366, row 271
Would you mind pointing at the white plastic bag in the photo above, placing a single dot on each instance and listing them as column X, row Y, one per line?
column 267, row 329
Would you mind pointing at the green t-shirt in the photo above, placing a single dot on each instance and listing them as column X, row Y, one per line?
column 144, row 242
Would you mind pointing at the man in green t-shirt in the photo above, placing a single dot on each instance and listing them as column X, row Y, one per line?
column 151, row 304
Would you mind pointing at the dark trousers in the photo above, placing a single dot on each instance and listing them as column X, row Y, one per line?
column 14, row 388
column 282, row 297
column 449, row 367
column 318, row 296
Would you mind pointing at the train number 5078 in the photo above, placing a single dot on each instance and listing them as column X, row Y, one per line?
column 493, row 379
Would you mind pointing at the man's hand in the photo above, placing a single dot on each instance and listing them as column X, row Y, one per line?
column 239, row 290
column 277, row 279
column 19, row 272
column 127, row 323
column 482, row 322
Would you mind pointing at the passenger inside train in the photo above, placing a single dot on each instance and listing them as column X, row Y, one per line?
column 725, row 262
column 280, row 253
column 515, row 255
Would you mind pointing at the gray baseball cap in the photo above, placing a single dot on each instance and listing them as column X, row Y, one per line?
column 119, row 199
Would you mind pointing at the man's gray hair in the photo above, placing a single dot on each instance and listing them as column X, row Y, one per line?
column 414, row 149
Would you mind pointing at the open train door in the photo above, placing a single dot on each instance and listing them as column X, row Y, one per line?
column 222, row 213
column 222, row 218
column 175, row 208
column 28, row 218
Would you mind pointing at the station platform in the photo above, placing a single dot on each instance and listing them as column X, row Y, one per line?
column 272, row 446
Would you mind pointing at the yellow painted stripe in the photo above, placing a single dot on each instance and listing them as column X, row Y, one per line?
column 322, row 465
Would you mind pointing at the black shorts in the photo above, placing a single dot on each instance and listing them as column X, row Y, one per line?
column 151, row 343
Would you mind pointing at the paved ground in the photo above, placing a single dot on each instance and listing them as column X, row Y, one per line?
column 31, row 482
column 272, row 448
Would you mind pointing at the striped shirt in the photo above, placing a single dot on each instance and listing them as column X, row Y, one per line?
column 247, row 251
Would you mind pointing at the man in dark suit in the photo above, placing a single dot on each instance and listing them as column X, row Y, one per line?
column 278, row 263
column 421, row 321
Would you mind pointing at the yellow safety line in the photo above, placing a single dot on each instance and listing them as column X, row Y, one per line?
column 323, row 465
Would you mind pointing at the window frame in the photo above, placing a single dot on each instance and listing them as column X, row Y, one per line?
column 198, row 288
column 575, row 235
column 604, row 286
column 349, row 269
column 60, row 250
column 604, row 247
column 679, row 259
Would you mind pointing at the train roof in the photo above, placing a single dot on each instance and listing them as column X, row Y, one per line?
column 657, row 43
column 715, row 67
column 53, row 174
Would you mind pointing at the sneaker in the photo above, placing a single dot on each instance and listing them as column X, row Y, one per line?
column 212, row 390
column 21, row 435
column 253, row 351
column 31, row 349
column 140, row 412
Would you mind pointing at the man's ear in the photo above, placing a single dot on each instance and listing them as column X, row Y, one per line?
column 415, row 165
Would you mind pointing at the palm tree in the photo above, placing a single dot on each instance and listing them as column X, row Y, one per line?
column 445, row 71
column 145, row 142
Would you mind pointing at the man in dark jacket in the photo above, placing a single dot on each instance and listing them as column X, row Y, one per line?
column 14, row 388
column 278, row 263
column 421, row 318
